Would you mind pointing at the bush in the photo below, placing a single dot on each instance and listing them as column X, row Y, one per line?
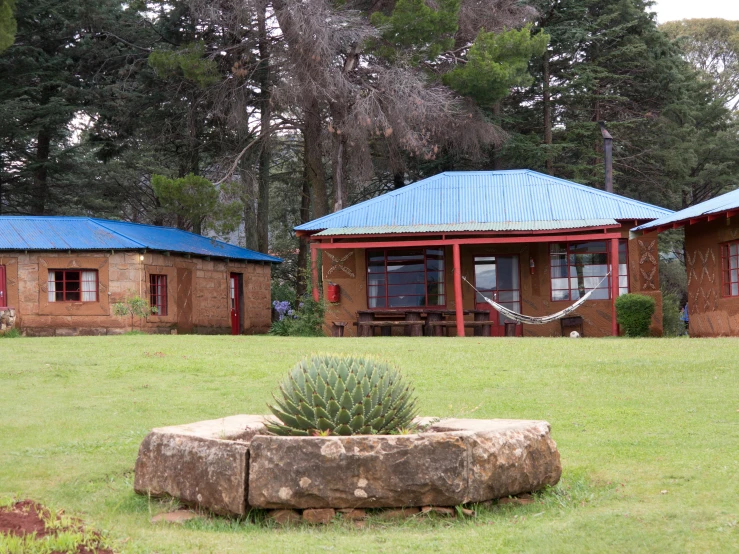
column 634, row 314
column 672, row 325
column 13, row 333
column 304, row 321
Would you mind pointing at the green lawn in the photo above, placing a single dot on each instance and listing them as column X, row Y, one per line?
column 632, row 418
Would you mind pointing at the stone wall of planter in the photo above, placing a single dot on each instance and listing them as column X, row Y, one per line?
column 230, row 465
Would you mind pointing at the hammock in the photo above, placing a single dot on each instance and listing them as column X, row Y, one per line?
column 520, row 318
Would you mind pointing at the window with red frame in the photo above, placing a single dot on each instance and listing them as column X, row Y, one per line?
column 158, row 293
column 72, row 285
column 578, row 267
column 730, row 259
column 405, row 278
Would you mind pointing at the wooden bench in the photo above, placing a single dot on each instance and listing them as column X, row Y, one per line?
column 478, row 325
column 389, row 324
column 337, row 328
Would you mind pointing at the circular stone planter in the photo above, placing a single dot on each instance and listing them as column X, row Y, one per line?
column 229, row 465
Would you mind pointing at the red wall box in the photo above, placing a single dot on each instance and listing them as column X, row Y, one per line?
column 333, row 293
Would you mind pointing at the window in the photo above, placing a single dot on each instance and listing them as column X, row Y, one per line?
column 405, row 278
column 579, row 267
column 158, row 293
column 730, row 265
column 73, row 285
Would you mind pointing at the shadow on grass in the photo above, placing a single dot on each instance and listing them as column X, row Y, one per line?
column 575, row 491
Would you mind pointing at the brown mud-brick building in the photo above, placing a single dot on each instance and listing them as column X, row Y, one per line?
column 711, row 261
column 62, row 275
column 405, row 262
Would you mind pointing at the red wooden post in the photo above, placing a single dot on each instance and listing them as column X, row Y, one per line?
column 314, row 270
column 614, row 285
column 458, row 307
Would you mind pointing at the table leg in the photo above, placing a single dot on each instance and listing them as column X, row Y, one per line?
column 365, row 330
column 434, row 330
column 413, row 330
column 483, row 330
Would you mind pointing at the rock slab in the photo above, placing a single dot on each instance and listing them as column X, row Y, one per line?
column 230, row 464
column 202, row 464
column 457, row 461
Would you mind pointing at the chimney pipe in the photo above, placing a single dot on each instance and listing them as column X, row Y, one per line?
column 608, row 155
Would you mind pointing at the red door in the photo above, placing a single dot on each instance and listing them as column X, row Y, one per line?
column 235, row 299
column 497, row 277
column 3, row 288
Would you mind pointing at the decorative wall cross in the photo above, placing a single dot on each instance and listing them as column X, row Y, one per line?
column 338, row 264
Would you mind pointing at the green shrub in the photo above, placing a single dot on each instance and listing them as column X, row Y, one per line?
column 343, row 395
column 13, row 333
column 634, row 314
column 672, row 326
column 304, row 321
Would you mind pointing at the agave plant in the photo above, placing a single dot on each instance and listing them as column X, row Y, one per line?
column 342, row 395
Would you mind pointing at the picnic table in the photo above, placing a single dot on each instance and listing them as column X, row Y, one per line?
column 412, row 320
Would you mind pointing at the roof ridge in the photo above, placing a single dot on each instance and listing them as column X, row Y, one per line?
column 393, row 193
column 598, row 192
column 99, row 224
column 211, row 239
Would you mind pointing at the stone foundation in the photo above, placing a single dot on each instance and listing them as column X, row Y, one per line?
column 231, row 464
column 7, row 319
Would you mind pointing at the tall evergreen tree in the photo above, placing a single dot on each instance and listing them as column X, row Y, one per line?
column 608, row 61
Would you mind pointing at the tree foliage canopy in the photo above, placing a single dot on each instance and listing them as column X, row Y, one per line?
column 253, row 116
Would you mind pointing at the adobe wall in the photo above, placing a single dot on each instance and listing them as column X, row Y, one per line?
column 711, row 314
column 348, row 268
column 123, row 273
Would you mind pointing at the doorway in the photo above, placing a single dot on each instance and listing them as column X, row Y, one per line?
column 3, row 288
column 236, row 299
column 497, row 277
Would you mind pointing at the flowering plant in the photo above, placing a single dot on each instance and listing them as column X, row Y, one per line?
column 304, row 321
column 283, row 308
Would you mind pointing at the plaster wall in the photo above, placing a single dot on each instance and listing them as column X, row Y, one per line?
column 711, row 314
column 123, row 273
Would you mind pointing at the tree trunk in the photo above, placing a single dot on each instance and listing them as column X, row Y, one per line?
column 398, row 180
column 547, row 103
column 340, row 191
column 301, row 287
column 265, row 152
column 40, row 174
column 249, row 198
column 313, row 159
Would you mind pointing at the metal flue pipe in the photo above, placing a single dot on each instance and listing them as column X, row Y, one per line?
column 608, row 155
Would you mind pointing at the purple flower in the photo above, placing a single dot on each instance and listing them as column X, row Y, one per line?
column 282, row 307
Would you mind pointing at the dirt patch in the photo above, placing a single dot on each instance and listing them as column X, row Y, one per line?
column 36, row 524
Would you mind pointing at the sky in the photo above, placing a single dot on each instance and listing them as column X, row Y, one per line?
column 669, row 10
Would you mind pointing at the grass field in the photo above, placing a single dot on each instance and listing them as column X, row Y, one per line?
column 648, row 431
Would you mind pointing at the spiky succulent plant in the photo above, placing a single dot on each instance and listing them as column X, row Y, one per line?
column 343, row 395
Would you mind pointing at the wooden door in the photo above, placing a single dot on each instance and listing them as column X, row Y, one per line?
column 497, row 277
column 3, row 288
column 235, row 299
column 184, row 300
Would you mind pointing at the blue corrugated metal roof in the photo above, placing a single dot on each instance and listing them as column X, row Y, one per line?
column 479, row 197
column 452, row 227
column 725, row 202
column 85, row 233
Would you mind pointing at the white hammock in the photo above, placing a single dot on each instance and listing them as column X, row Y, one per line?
column 520, row 318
